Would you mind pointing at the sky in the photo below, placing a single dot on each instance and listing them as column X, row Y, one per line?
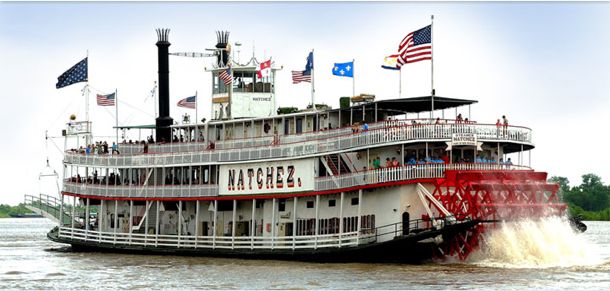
column 543, row 65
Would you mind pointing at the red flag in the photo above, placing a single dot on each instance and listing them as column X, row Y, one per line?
column 264, row 69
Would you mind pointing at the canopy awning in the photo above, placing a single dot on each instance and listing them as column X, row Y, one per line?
column 411, row 105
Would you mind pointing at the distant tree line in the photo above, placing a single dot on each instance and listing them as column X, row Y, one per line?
column 591, row 199
column 7, row 210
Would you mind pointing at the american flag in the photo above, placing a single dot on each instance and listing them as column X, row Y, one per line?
column 304, row 76
column 78, row 73
column 301, row 76
column 226, row 76
column 188, row 102
column 106, row 100
column 416, row 46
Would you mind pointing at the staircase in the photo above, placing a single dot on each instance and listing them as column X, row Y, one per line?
column 337, row 164
column 152, row 219
column 332, row 161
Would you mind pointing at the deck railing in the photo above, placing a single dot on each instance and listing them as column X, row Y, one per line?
column 370, row 177
column 213, row 242
column 170, row 191
column 295, row 146
column 487, row 130
column 290, row 242
column 49, row 207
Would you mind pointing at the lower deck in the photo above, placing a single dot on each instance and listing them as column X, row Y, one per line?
column 346, row 219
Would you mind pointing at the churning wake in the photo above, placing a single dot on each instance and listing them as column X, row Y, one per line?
column 541, row 243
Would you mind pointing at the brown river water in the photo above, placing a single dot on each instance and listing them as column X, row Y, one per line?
column 543, row 255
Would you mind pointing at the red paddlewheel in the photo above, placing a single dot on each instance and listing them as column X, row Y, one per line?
column 492, row 196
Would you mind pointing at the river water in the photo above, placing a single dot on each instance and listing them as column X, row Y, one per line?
column 520, row 256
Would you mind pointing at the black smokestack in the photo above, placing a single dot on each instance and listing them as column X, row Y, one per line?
column 163, row 122
column 222, row 59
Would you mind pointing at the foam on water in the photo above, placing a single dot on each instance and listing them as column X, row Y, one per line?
column 541, row 243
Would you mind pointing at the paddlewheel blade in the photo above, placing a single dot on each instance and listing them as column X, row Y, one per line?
column 492, row 196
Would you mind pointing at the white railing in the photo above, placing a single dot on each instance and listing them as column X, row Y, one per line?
column 512, row 132
column 293, row 146
column 383, row 175
column 405, row 173
column 215, row 242
column 173, row 191
column 49, row 207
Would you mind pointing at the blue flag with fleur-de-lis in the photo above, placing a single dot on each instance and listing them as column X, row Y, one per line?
column 78, row 73
column 344, row 69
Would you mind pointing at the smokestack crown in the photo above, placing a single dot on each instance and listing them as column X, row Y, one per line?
column 222, row 59
column 163, row 36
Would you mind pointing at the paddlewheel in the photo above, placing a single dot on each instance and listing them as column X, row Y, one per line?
column 491, row 197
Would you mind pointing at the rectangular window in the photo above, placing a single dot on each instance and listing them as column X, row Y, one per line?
column 309, row 204
column 332, row 203
column 282, row 205
column 259, row 203
column 244, row 81
column 219, row 85
column 355, row 201
column 225, row 205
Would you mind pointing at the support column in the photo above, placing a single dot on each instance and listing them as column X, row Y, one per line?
column 116, row 218
column 252, row 225
column 157, row 225
column 233, row 224
column 341, row 218
column 87, row 220
column 180, row 220
column 359, row 216
column 273, row 223
column 294, row 221
column 498, row 155
column 521, row 156
column 100, row 220
column 130, row 219
column 73, row 216
column 317, row 225
column 197, row 218
column 146, row 209
column 214, row 228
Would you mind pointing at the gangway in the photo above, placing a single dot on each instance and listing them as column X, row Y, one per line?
column 50, row 208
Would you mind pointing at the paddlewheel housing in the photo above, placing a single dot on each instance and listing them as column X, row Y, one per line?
column 491, row 197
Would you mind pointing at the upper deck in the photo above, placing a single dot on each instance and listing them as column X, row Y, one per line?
column 383, row 133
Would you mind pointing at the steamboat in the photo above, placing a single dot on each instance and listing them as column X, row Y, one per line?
column 373, row 180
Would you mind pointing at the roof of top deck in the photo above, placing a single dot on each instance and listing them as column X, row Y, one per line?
column 411, row 104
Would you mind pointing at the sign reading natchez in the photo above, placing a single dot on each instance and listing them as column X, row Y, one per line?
column 267, row 178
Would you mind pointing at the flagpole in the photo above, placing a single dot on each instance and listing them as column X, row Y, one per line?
column 313, row 90
column 116, row 113
column 432, row 65
column 90, row 135
column 196, row 118
column 87, row 91
column 400, row 83
column 353, row 79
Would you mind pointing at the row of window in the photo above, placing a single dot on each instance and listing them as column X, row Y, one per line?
column 244, row 82
column 311, row 203
column 331, row 225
